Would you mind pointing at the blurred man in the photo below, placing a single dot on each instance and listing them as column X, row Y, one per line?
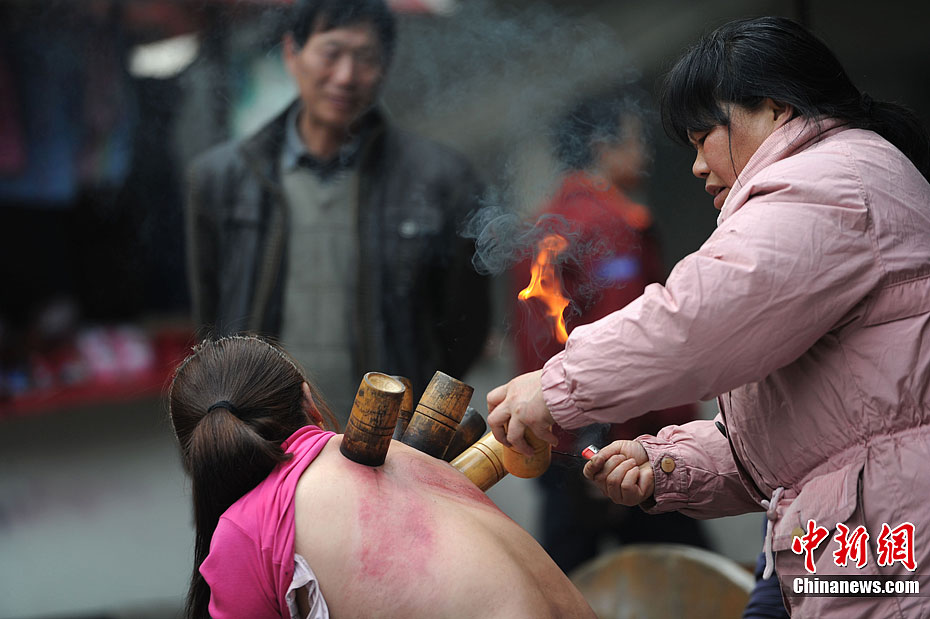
column 333, row 230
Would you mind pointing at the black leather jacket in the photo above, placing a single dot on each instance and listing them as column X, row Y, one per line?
column 421, row 305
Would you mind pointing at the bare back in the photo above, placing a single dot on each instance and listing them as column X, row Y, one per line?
column 415, row 538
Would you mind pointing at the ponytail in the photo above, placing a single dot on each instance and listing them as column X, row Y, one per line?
column 900, row 126
column 232, row 403
column 228, row 458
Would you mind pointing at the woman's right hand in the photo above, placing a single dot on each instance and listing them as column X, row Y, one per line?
column 623, row 472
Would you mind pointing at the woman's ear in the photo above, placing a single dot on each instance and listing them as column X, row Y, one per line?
column 310, row 406
column 781, row 112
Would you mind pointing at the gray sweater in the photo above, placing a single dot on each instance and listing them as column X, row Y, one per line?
column 420, row 305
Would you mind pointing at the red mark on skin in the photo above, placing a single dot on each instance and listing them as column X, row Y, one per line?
column 397, row 536
column 396, row 532
column 452, row 484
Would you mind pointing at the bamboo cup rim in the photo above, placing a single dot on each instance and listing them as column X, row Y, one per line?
column 383, row 382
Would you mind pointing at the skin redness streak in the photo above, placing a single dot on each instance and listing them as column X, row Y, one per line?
column 454, row 486
column 397, row 535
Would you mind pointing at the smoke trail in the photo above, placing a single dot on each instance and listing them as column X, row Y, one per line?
column 491, row 80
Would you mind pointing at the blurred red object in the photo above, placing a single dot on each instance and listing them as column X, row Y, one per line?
column 115, row 364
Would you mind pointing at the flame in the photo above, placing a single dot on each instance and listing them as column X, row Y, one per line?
column 545, row 283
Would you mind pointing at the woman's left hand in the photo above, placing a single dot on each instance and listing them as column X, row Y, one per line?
column 623, row 472
column 519, row 406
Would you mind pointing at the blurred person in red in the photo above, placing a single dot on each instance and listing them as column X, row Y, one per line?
column 610, row 254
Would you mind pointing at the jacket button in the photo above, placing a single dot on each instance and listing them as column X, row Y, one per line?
column 797, row 532
column 667, row 464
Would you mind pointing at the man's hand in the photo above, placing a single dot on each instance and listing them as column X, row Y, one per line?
column 623, row 472
column 517, row 406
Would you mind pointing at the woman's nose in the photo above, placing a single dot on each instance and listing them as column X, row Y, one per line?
column 699, row 167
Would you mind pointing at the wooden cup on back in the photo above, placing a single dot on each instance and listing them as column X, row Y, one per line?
column 471, row 428
column 406, row 408
column 437, row 415
column 482, row 462
column 373, row 418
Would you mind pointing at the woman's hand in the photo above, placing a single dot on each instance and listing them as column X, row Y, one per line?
column 519, row 406
column 623, row 472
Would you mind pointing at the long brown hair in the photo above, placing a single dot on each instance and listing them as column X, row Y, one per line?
column 232, row 403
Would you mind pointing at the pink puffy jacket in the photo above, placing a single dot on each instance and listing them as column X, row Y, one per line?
column 807, row 314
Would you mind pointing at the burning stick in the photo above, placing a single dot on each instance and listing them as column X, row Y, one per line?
column 545, row 283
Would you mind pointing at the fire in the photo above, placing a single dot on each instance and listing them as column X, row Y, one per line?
column 545, row 283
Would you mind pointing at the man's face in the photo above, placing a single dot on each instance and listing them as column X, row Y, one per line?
column 337, row 73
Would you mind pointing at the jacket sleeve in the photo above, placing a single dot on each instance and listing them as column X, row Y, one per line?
column 201, row 236
column 695, row 473
column 773, row 278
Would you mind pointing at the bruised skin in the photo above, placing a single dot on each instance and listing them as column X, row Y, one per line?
column 415, row 538
column 394, row 514
column 395, row 527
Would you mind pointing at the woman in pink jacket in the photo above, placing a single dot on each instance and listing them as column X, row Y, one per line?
column 806, row 314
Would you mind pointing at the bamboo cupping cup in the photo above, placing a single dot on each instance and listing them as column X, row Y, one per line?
column 406, row 408
column 482, row 462
column 437, row 415
column 471, row 428
column 487, row 461
column 373, row 419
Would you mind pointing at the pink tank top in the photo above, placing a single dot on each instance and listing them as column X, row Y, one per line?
column 251, row 560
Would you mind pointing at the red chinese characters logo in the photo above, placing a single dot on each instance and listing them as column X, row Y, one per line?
column 808, row 543
column 893, row 545
column 852, row 545
column 897, row 544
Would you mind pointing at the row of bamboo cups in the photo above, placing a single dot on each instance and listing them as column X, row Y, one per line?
column 441, row 425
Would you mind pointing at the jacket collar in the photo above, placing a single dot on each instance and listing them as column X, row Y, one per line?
column 791, row 138
column 264, row 148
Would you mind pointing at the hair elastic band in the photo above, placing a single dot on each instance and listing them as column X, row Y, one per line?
column 223, row 404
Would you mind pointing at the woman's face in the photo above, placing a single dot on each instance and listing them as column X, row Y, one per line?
column 723, row 151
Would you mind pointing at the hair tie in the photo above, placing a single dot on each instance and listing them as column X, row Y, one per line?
column 865, row 102
column 223, row 404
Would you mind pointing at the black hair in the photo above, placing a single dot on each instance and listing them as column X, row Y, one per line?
column 309, row 16
column 748, row 60
column 232, row 403
column 596, row 119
